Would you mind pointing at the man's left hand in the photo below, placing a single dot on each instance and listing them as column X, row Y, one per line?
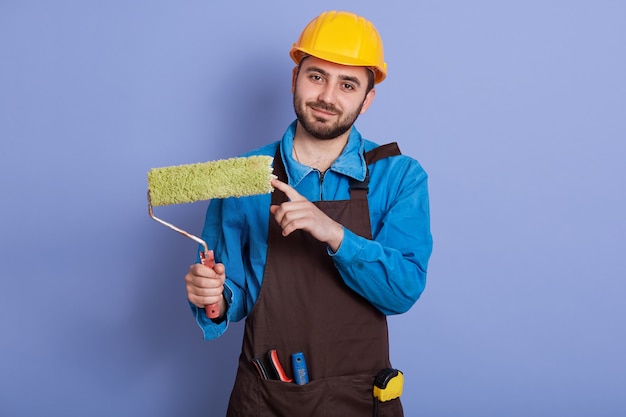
column 300, row 214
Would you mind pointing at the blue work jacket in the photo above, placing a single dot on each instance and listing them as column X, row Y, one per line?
column 389, row 270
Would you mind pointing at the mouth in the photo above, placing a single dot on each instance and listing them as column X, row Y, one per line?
column 323, row 110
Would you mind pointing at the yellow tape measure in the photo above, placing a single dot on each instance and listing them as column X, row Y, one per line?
column 388, row 384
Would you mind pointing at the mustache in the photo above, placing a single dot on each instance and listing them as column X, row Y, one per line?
column 324, row 106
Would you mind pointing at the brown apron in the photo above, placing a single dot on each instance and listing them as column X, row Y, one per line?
column 304, row 306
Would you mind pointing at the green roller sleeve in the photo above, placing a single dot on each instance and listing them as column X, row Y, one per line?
column 234, row 177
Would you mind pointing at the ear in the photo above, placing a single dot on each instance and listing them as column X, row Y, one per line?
column 369, row 98
column 294, row 77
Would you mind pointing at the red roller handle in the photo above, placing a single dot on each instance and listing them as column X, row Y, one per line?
column 208, row 259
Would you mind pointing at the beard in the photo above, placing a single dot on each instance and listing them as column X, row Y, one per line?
column 319, row 127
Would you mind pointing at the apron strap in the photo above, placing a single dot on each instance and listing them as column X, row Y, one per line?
column 381, row 152
column 359, row 189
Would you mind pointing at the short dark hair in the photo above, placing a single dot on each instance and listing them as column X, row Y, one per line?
column 371, row 77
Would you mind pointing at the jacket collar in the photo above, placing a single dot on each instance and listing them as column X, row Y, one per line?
column 350, row 163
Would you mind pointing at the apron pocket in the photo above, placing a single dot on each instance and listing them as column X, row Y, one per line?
column 351, row 395
column 342, row 396
column 285, row 399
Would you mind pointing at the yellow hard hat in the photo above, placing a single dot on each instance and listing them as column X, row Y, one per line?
column 343, row 38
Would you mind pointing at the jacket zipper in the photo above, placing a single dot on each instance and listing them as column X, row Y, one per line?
column 321, row 174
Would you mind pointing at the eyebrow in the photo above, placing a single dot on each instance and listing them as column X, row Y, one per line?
column 350, row 78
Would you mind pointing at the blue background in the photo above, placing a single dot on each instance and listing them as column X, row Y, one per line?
column 517, row 109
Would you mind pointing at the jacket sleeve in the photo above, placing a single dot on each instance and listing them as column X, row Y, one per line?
column 390, row 269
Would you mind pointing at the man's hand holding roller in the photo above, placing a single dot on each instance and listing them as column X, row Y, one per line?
column 205, row 286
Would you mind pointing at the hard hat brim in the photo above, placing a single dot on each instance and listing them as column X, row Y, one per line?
column 297, row 53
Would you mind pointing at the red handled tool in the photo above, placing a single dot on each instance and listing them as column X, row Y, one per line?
column 257, row 363
column 208, row 259
column 272, row 357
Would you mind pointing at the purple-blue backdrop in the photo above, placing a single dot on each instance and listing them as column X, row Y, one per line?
column 516, row 109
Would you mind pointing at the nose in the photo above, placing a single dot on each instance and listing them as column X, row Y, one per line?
column 327, row 93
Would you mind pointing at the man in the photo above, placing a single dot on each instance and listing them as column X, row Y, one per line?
column 342, row 242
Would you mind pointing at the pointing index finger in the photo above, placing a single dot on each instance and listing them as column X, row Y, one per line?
column 289, row 191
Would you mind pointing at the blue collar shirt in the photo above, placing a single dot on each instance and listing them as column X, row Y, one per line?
column 389, row 270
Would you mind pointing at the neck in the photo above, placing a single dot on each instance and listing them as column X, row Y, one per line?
column 317, row 153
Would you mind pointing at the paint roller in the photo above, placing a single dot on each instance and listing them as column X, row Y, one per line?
column 234, row 177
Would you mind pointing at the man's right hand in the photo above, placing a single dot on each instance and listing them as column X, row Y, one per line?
column 205, row 286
